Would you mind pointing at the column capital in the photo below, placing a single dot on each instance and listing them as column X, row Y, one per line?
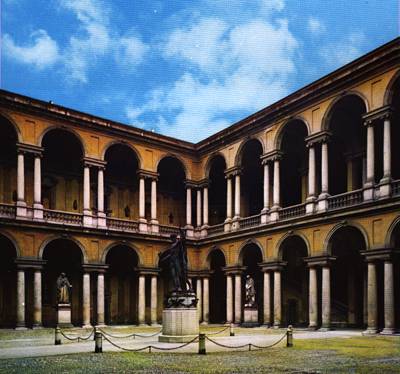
column 30, row 148
column 317, row 138
column 233, row 171
column 322, row 260
column 272, row 265
column 95, row 268
column 271, row 156
column 382, row 113
column 234, row 270
column 190, row 184
column 384, row 254
column 94, row 162
column 147, row 174
column 205, row 273
column 143, row 270
column 29, row 263
column 203, row 183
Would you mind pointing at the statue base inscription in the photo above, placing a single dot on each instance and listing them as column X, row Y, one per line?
column 64, row 315
column 180, row 319
column 250, row 317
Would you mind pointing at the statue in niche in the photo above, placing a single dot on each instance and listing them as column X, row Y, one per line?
column 63, row 289
column 250, row 292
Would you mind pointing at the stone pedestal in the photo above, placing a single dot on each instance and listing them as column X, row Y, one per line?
column 180, row 320
column 250, row 317
column 64, row 315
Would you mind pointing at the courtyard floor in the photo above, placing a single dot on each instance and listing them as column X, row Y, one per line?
column 33, row 351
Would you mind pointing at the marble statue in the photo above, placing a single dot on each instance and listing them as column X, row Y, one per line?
column 250, row 292
column 63, row 289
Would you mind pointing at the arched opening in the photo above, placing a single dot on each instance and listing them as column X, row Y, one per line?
column 217, row 287
column 121, row 286
column 121, row 196
column 62, row 256
column 294, row 165
column 8, row 162
column 62, row 171
column 294, row 282
column 395, row 130
column 8, row 282
column 347, row 149
column 348, row 277
column 217, row 191
column 395, row 243
column 251, row 256
column 171, row 192
column 252, row 178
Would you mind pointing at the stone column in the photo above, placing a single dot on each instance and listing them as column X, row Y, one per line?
column 86, row 300
column 20, row 299
column 198, row 210
column 153, row 300
column 199, row 294
column 154, row 220
column 387, row 160
column 101, row 217
column 368, row 186
column 206, row 299
column 142, row 300
column 87, row 214
column 142, row 205
column 37, row 188
column 313, row 298
column 326, row 297
column 189, row 226
column 322, row 198
column 21, row 203
column 228, row 220
column 238, row 298
column 276, row 192
column 277, row 299
column 264, row 212
column 205, row 206
column 311, row 180
column 267, row 299
column 372, row 300
column 37, row 298
column 100, row 299
column 237, row 196
column 229, row 299
column 389, row 298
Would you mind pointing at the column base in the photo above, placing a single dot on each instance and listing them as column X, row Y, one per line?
column 143, row 225
column 264, row 216
column 370, row 331
column 312, row 327
column 101, row 220
column 189, row 231
column 142, row 324
column 266, row 325
column 155, row 324
column 38, row 212
column 368, row 193
column 310, row 205
column 21, row 328
column 204, row 323
column 227, row 225
column 388, row 331
column 37, row 326
column 204, row 232
column 235, row 223
column 88, row 326
column 322, row 202
column 276, row 326
column 274, row 214
column 21, row 211
column 385, row 188
column 324, row 329
column 87, row 218
column 101, row 325
column 154, row 226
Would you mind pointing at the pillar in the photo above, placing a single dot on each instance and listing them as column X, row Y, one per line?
column 205, row 206
column 198, row 210
column 199, row 294
column 100, row 299
column 37, row 188
column 237, row 196
column 86, row 300
column 372, row 299
column 368, row 187
column 387, row 160
column 142, row 300
column 86, row 190
column 37, row 298
column 311, row 171
column 154, row 200
column 206, row 299
column 265, row 194
column 267, row 299
column 313, row 298
column 229, row 299
column 188, row 207
column 21, row 203
column 326, row 297
column 276, row 195
column 389, row 298
column 142, row 212
column 20, row 299
column 238, row 298
column 228, row 219
column 277, row 299
column 153, row 300
column 101, row 217
column 322, row 198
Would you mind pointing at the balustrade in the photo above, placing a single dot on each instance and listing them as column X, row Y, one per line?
column 345, row 199
column 292, row 211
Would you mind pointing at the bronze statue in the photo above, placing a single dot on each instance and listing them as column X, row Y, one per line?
column 250, row 292
column 63, row 289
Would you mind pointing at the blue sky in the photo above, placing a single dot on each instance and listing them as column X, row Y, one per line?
column 182, row 68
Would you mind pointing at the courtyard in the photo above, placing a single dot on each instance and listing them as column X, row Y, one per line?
column 33, row 351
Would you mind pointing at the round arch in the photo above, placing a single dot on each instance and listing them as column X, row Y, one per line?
column 81, row 141
column 239, row 153
column 124, row 244
column 177, row 158
column 244, row 245
column 389, row 92
column 50, row 239
column 283, row 127
column 13, row 241
column 389, row 235
column 279, row 246
column 122, row 143
column 207, row 260
column 14, row 124
column 326, row 119
column 210, row 161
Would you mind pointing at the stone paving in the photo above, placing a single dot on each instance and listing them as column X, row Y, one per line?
column 43, row 345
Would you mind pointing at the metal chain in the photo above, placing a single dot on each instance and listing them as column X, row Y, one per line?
column 219, row 332
column 77, row 338
column 128, row 336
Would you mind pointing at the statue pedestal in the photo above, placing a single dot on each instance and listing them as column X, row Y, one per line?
column 180, row 321
column 64, row 315
column 250, row 317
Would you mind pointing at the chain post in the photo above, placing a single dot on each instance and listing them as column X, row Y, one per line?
column 94, row 333
column 289, row 336
column 57, row 336
column 98, row 348
column 231, row 330
column 202, row 344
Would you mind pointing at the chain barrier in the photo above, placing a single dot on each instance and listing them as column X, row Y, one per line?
column 77, row 338
column 219, row 332
column 129, row 336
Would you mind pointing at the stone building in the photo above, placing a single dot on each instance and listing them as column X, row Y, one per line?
column 303, row 195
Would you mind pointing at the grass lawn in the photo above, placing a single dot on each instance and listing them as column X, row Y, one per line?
column 354, row 355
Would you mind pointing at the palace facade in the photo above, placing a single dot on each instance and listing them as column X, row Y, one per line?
column 303, row 195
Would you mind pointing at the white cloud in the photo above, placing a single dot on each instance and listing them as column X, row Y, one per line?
column 315, row 26
column 342, row 52
column 130, row 51
column 41, row 52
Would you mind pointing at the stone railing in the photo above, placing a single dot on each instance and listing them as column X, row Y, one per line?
column 168, row 230
column 216, row 229
column 345, row 199
column 66, row 218
column 7, row 210
column 292, row 211
column 250, row 221
column 396, row 188
column 122, row 224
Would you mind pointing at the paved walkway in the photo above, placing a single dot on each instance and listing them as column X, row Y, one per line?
column 43, row 345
